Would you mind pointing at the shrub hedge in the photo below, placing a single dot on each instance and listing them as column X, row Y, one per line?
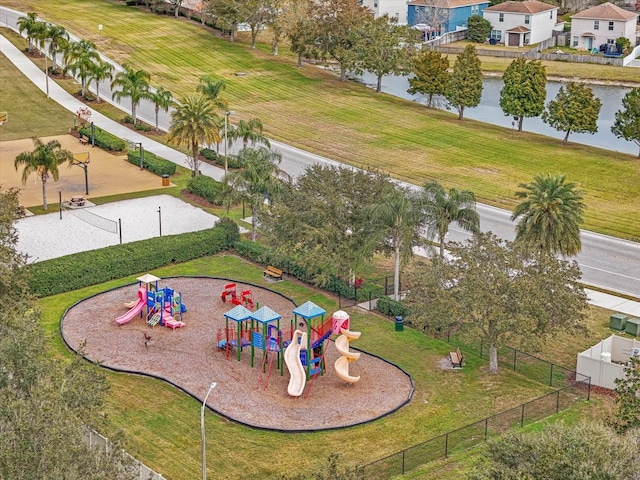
column 390, row 307
column 104, row 139
column 80, row 270
column 211, row 155
column 152, row 162
column 207, row 188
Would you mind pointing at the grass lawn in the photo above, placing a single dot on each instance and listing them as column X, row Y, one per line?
column 158, row 419
column 411, row 142
column 29, row 111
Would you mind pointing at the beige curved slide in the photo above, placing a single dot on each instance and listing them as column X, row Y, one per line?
column 298, row 378
column 342, row 363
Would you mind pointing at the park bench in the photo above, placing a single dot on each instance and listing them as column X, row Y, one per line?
column 456, row 358
column 77, row 201
column 272, row 272
column 84, row 140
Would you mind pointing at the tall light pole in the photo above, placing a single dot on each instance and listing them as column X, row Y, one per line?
column 226, row 119
column 204, row 455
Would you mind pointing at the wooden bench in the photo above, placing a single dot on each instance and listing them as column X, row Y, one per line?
column 84, row 140
column 456, row 358
column 272, row 272
column 77, row 201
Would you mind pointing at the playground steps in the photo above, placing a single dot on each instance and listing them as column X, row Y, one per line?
column 154, row 320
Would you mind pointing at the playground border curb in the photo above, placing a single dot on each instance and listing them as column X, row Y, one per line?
column 227, row 417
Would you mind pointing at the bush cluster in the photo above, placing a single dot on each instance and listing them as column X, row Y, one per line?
column 390, row 307
column 152, row 162
column 232, row 160
column 209, row 154
column 104, row 139
column 80, row 270
column 207, row 188
column 231, row 229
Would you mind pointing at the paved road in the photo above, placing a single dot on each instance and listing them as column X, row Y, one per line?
column 606, row 262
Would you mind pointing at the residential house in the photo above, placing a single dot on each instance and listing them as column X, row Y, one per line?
column 393, row 8
column 602, row 25
column 436, row 17
column 522, row 23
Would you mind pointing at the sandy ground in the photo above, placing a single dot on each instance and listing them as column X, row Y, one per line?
column 108, row 174
column 188, row 357
column 47, row 236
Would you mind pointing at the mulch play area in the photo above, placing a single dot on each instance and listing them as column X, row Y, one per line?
column 189, row 358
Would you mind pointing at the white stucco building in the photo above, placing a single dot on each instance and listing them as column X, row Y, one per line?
column 601, row 25
column 517, row 24
column 393, row 8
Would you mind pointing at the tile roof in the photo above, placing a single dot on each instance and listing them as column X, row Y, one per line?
column 606, row 11
column 526, row 7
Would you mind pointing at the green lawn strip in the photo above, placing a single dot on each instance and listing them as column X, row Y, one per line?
column 29, row 111
column 360, row 127
column 459, row 465
column 157, row 418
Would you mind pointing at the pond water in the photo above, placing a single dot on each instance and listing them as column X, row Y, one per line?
column 489, row 110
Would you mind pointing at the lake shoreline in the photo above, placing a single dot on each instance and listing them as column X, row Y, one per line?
column 592, row 81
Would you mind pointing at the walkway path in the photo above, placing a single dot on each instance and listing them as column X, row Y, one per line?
column 58, row 94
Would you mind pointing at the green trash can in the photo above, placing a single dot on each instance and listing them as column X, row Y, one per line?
column 618, row 321
column 399, row 324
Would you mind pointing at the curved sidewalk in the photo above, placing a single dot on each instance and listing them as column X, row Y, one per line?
column 57, row 93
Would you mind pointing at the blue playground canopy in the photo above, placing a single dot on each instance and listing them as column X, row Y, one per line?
column 264, row 315
column 238, row 314
column 309, row 310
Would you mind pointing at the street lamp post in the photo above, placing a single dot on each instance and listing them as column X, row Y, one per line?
column 226, row 119
column 204, row 456
column 160, row 219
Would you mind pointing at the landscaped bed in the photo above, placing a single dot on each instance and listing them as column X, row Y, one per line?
column 188, row 357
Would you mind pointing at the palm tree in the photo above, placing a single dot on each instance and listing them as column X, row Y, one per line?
column 212, row 88
column 43, row 160
column 41, row 36
column 442, row 208
column 550, row 215
column 396, row 223
column 254, row 183
column 80, row 59
column 134, row 84
column 162, row 99
column 58, row 43
column 194, row 122
column 101, row 71
column 250, row 131
column 31, row 26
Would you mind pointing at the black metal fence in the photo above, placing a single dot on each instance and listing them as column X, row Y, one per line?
column 368, row 292
column 571, row 387
column 473, row 434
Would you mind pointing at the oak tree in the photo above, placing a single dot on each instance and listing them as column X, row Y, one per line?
column 525, row 89
column 499, row 293
column 430, row 75
column 465, row 84
column 627, row 122
column 574, row 109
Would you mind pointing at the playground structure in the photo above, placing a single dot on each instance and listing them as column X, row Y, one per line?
column 305, row 341
column 292, row 358
column 342, row 363
column 230, row 293
column 163, row 306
